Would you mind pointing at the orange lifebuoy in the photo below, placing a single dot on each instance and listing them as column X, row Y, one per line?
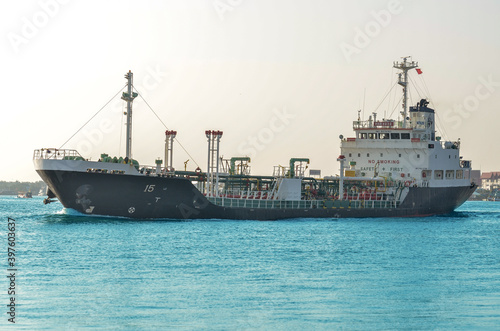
column 424, row 174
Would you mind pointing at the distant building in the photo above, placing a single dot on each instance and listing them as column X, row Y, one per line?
column 490, row 180
column 475, row 177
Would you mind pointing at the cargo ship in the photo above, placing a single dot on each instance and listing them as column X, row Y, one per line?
column 388, row 168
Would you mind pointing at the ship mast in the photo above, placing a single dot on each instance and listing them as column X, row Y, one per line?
column 129, row 96
column 403, row 81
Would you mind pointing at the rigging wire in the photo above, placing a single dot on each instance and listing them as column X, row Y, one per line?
column 385, row 97
column 438, row 124
column 420, row 92
column 122, row 122
column 364, row 98
column 158, row 117
column 389, row 100
column 74, row 134
column 396, row 106
column 121, row 129
column 395, row 101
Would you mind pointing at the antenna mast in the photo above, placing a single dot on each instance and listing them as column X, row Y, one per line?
column 129, row 96
column 403, row 81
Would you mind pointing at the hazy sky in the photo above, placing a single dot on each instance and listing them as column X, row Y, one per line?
column 281, row 78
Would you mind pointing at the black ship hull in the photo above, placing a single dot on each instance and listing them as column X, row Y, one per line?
column 152, row 197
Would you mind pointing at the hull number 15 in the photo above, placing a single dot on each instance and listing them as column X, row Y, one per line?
column 149, row 188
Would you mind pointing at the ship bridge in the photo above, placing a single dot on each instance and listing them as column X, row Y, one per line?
column 420, row 127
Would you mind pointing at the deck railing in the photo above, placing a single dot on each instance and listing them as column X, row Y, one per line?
column 389, row 202
column 56, row 154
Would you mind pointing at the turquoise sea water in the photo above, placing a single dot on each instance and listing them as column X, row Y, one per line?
column 77, row 272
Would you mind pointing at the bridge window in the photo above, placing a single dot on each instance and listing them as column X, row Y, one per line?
column 405, row 136
column 395, row 135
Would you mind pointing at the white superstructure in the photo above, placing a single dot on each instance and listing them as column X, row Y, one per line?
column 406, row 150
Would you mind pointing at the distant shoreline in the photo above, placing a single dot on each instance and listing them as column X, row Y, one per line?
column 14, row 188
